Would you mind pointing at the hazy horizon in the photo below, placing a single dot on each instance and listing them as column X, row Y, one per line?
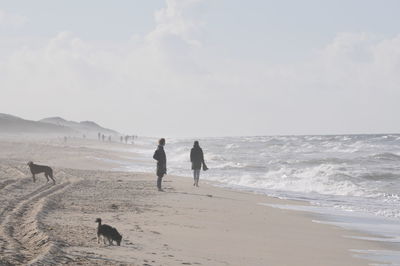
column 201, row 137
column 197, row 68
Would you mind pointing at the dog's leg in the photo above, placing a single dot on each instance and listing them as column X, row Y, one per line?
column 110, row 242
column 98, row 239
column 33, row 177
column 51, row 176
column 104, row 240
column 47, row 177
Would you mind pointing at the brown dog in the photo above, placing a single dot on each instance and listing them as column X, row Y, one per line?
column 37, row 169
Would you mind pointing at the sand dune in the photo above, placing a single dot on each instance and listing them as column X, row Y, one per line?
column 15, row 125
column 10, row 124
column 83, row 126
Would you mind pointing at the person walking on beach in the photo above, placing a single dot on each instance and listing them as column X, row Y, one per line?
column 197, row 159
column 161, row 158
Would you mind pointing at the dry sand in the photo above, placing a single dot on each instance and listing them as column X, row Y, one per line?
column 45, row 224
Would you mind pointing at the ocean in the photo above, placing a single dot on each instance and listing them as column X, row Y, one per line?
column 349, row 180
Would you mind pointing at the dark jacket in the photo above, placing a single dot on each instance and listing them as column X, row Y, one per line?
column 196, row 157
column 161, row 158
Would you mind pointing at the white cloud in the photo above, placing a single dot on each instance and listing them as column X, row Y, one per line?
column 359, row 61
column 173, row 39
column 164, row 83
column 11, row 20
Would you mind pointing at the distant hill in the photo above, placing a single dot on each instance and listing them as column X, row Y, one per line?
column 7, row 116
column 10, row 124
column 13, row 124
column 83, row 126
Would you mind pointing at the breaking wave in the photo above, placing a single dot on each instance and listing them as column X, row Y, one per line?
column 353, row 172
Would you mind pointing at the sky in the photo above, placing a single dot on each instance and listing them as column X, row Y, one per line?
column 196, row 68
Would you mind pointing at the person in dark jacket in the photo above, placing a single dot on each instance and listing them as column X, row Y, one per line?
column 161, row 158
column 197, row 159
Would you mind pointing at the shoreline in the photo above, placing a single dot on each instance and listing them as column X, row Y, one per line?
column 185, row 225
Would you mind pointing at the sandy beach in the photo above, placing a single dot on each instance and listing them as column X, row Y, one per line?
column 45, row 224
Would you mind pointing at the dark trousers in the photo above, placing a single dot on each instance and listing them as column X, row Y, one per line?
column 159, row 180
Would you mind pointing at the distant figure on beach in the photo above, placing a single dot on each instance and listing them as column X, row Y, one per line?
column 197, row 159
column 98, row 135
column 103, row 137
column 109, row 138
column 121, row 139
column 161, row 158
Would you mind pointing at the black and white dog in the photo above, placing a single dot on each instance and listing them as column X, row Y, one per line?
column 107, row 232
column 37, row 169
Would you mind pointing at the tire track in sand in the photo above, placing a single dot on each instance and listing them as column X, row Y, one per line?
column 6, row 183
column 12, row 173
column 23, row 235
